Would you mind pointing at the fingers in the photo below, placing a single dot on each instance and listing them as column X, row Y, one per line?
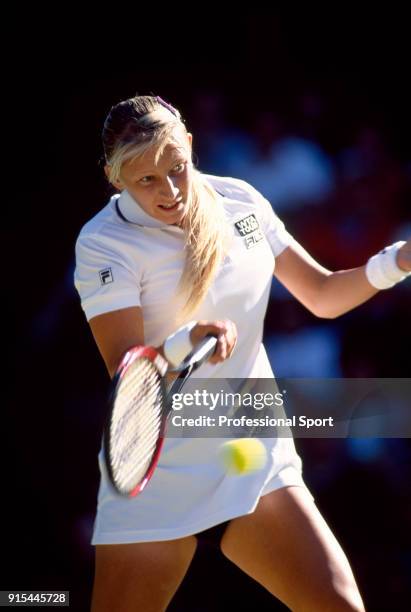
column 226, row 333
column 403, row 258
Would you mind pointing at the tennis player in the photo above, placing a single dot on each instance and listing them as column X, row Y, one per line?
column 173, row 256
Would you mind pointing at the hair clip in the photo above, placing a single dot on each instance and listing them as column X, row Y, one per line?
column 168, row 106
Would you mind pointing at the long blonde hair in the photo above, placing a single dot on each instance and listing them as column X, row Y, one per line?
column 138, row 124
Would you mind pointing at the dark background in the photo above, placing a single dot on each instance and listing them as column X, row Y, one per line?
column 60, row 76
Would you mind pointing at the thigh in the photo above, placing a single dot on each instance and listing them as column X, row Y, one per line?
column 140, row 576
column 286, row 545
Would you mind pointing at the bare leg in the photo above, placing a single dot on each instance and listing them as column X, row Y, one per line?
column 142, row 576
column 288, row 548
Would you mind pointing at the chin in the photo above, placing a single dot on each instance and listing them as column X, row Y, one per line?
column 177, row 220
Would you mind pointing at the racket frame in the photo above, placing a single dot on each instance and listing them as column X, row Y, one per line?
column 192, row 362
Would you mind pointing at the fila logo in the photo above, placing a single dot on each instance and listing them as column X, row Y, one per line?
column 253, row 239
column 247, row 225
column 106, row 276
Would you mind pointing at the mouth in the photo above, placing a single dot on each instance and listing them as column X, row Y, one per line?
column 171, row 207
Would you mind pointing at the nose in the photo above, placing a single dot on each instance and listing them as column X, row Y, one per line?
column 168, row 189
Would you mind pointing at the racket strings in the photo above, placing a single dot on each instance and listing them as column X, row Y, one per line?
column 136, row 423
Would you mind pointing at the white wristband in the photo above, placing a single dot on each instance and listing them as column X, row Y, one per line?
column 178, row 345
column 382, row 270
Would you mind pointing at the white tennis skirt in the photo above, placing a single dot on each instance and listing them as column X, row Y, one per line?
column 191, row 491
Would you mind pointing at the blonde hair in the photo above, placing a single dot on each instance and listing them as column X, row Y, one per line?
column 145, row 122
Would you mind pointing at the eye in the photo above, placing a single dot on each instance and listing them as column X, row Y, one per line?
column 179, row 167
column 146, row 180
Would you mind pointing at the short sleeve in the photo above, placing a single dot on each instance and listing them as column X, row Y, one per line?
column 104, row 278
column 274, row 229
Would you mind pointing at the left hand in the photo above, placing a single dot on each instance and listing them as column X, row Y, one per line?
column 404, row 256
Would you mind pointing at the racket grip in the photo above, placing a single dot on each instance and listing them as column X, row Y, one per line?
column 201, row 352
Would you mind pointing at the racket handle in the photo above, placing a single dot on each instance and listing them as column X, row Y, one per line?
column 200, row 353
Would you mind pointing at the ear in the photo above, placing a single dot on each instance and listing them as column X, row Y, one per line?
column 190, row 139
column 117, row 183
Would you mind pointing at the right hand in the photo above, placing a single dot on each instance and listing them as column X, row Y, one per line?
column 225, row 332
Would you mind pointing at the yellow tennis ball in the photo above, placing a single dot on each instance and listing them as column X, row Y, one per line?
column 243, row 456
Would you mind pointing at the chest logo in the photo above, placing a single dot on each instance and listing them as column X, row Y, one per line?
column 249, row 229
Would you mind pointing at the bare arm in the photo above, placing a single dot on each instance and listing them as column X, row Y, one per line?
column 119, row 330
column 115, row 332
column 328, row 294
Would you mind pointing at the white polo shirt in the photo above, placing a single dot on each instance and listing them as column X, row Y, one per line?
column 139, row 262
column 124, row 258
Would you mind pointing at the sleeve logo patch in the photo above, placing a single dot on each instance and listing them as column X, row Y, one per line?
column 106, row 276
column 249, row 229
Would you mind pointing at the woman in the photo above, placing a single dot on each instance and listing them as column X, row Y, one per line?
column 173, row 246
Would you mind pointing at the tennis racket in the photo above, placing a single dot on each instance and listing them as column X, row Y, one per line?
column 139, row 410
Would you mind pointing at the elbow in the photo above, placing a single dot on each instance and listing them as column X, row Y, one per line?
column 326, row 306
column 326, row 313
column 112, row 367
column 323, row 304
column 329, row 315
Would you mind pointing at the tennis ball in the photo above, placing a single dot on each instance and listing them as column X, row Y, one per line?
column 243, row 456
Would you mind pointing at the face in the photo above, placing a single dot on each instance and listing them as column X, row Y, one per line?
column 162, row 190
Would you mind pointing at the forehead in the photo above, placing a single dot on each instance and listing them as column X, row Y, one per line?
column 151, row 161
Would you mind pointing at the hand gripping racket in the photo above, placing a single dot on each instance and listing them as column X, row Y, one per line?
column 139, row 410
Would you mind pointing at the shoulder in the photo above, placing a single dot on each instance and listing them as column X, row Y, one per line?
column 234, row 188
column 105, row 241
column 107, row 231
column 249, row 209
column 102, row 223
column 241, row 199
